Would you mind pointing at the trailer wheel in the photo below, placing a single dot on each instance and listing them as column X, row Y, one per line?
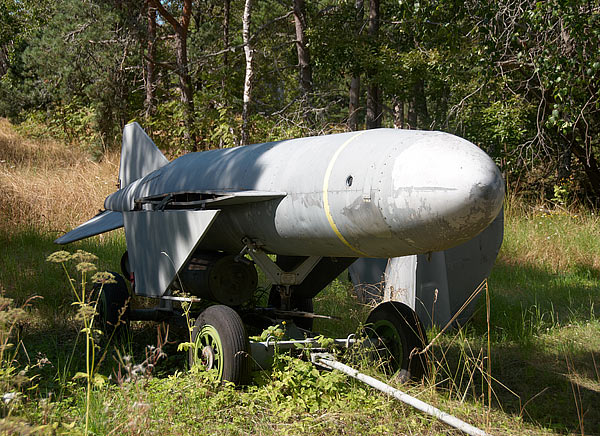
column 399, row 331
column 125, row 265
column 112, row 311
column 221, row 344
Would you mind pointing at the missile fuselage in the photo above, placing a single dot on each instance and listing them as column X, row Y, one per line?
column 375, row 193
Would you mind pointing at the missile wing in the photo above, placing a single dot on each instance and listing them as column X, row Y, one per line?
column 105, row 221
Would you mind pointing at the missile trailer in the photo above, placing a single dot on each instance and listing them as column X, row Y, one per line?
column 301, row 210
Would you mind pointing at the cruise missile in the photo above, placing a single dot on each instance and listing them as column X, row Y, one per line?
column 203, row 221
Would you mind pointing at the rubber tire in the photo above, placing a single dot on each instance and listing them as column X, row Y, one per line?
column 402, row 332
column 111, row 319
column 125, row 266
column 222, row 327
column 301, row 304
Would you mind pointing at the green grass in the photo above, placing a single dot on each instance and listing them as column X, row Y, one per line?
column 338, row 300
column 545, row 353
column 24, row 271
column 545, row 289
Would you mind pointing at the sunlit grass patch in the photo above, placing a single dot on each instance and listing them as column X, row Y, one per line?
column 544, row 327
column 49, row 186
column 559, row 241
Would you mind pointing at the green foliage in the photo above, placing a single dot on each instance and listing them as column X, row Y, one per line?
column 19, row 19
column 73, row 124
column 275, row 332
column 519, row 79
column 77, row 68
column 14, row 379
column 298, row 382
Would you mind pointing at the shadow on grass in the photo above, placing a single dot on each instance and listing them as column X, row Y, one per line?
column 50, row 333
column 534, row 385
column 545, row 347
column 63, row 350
column 24, row 271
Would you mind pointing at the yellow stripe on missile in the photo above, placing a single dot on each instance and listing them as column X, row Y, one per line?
column 326, row 193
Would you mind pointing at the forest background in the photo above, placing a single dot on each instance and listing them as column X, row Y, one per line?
column 519, row 78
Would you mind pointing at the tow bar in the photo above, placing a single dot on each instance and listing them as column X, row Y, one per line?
column 327, row 361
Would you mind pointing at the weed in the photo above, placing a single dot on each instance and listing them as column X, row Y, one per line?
column 189, row 345
column 129, row 372
column 13, row 378
column 86, row 312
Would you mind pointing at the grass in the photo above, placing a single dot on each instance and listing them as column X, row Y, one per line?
column 42, row 180
column 545, row 332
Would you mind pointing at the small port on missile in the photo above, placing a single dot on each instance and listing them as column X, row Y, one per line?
column 349, row 181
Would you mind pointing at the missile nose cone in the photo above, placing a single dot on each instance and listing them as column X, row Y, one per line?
column 447, row 189
column 489, row 189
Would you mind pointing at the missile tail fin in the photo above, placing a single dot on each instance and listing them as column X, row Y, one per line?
column 139, row 155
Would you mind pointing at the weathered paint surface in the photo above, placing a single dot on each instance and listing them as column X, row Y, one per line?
column 436, row 285
column 377, row 193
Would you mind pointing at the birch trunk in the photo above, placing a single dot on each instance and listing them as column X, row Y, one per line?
column 249, row 52
column 150, row 60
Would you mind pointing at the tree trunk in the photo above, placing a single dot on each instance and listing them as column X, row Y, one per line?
column 187, row 97
column 398, row 113
column 374, row 105
column 564, row 157
column 354, row 94
column 412, row 114
column 150, row 61
column 354, row 102
column 590, row 167
column 303, row 52
column 185, row 81
column 249, row 52
column 226, row 16
column 4, row 63
column 421, row 104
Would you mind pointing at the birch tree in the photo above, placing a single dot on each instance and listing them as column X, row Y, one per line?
column 249, row 53
column 150, row 61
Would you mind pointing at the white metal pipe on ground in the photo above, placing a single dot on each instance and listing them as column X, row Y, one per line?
column 405, row 398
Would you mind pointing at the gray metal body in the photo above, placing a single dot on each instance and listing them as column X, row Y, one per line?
column 436, row 285
column 376, row 193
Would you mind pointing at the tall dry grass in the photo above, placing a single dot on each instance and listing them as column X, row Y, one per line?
column 49, row 185
column 557, row 238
